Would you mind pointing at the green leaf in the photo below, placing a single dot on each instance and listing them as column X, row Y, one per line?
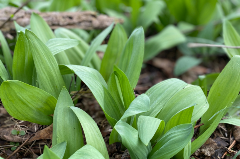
column 45, row 33
column 185, row 63
column 94, row 45
column 150, row 14
column 112, row 55
column 187, row 97
column 57, row 45
column 223, row 92
column 14, row 132
column 126, row 89
column 132, row 56
column 6, row 53
column 130, row 140
column 158, row 133
column 58, row 149
column 91, row 131
column 64, row 119
column 49, row 154
column 41, row 28
column 3, row 72
column 139, row 105
column 95, row 82
column 150, row 124
column 87, row 152
column 231, row 38
column 77, row 53
column 49, row 76
column 28, row 103
column 115, row 90
column 22, row 132
column 23, row 64
column 166, row 39
column 172, row 142
column 232, row 121
column 182, row 117
column 161, row 93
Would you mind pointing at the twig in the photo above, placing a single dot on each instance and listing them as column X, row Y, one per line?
column 24, row 4
column 20, row 146
column 194, row 45
column 229, row 149
column 198, row 126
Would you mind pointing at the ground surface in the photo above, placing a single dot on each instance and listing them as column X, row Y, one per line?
column 154, row 71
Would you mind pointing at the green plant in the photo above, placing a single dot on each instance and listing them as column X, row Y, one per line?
column 17, row 132
column 15, row 145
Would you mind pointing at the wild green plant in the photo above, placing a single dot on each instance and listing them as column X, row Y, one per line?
column 67, row 140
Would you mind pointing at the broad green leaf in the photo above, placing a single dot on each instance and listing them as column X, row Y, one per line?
column 147, row 127
column 49, row 76
column 184, row 153
column 185, row 63
column 58, row 149
column 166, row 39
column 232, row 121
column 64, row 119
column 172, row 142
column 25, row 102
column 23, row 64
column 45, row 33
column 57, row 45
column 112, row 55
column 197, row 143
column 87, row 152
column 49, row 154
column 132, row 56
column 150, row 14
column 160, row 94
column 231, row 38
column 126, row 89
column 182, row 117
column 187, row 97
column 139, row 105
column 95, row 82
column 131, row 141
column 94, row 45
column 77, row 53
column 91, row 131
column 3, row 72
column 41, row 28
column 223, row 92
column 6, row 53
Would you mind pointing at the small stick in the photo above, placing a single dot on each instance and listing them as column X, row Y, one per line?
column 24, row 4
column 194, row 45
column 229, row 149
column 198, row 126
